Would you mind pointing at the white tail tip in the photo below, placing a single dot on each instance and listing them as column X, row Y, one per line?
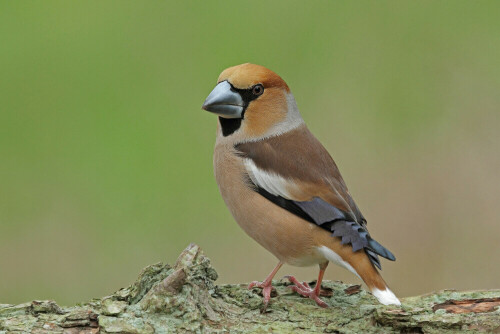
column 386, row 297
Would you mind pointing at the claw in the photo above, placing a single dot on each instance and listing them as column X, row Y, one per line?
column 305, row 290
column 266, row 291
column 266, row 286
column 253, row 284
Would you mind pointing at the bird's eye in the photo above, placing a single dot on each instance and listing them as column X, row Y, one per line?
column 258, row 90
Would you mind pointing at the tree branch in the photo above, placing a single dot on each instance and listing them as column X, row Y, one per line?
column 185, row 299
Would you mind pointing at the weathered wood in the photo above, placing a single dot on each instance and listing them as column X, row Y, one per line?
column 185, row 299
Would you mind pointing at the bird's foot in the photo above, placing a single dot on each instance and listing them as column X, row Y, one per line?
column 305, row 290
column 266, row 287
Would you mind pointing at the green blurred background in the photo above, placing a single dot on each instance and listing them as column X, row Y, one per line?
column 106, row 155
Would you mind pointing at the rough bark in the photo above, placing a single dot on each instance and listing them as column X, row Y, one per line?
column 184, row 299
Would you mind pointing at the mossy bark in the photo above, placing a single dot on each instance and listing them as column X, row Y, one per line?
column 184, row 299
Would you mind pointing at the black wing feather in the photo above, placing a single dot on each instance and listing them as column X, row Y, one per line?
column 343, row 224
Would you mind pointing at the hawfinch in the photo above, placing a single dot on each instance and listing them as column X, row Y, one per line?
column 282, row 186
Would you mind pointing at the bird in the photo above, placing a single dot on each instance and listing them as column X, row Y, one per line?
column 282, row 186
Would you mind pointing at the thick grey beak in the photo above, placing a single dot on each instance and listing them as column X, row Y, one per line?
column 224, row 102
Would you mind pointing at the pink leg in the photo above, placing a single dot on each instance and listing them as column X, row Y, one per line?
column 266, row 285
column 305, row 290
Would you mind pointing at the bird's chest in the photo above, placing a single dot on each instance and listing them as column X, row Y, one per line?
column 230, row 174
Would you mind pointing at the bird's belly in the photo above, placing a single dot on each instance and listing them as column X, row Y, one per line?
column 307, row 260
column 290, row 238
column 286, row 236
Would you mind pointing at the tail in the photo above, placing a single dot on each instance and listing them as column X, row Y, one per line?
column 386, row 297
column 361, row 265
column 374, row 280
column 377, row 285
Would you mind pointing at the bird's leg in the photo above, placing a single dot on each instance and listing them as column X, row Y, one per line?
column 305, row 290
column 266, row 285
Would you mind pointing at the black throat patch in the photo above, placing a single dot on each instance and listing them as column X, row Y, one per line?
column 229, row 125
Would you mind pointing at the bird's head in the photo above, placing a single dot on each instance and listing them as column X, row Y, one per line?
column 253, row 102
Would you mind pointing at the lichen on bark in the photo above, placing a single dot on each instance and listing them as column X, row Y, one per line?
column 184, row 298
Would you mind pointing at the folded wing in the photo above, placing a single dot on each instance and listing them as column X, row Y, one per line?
column 295, row 172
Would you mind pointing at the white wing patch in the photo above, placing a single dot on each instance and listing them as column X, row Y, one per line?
column 271, row 182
